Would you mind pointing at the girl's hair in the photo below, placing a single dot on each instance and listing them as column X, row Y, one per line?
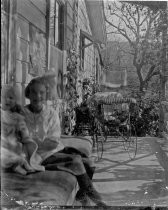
column 31, row 83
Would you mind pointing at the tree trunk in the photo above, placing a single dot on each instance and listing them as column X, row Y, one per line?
column 142, row 87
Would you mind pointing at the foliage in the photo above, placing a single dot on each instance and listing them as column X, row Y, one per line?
column 146, row 118
column 89, row 87
column 83, row 114
column 138, row 25
column 83, row 120
column 71, row 91
column 71, row 75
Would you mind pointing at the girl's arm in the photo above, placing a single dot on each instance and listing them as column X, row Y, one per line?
column 54, row 130
column 52, row 138
column 29, row 145
column 23, row 131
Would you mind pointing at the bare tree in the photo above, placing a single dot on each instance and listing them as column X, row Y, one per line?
column 137, row 24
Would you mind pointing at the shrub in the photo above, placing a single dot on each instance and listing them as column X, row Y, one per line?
column 146, row 118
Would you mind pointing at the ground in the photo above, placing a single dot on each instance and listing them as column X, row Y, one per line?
column 125, row 182
column 142, row 181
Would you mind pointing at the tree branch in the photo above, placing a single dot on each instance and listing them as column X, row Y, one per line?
column 151, row 73
column 131, row 15
column 134, row 19
column 128, row 24
column 145, row 19
column 121, row 31
column 125, row 51
column 113, row 32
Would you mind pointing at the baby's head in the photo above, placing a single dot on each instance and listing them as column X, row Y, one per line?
column 8, row 97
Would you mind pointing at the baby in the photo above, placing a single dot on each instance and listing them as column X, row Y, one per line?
column 17, row 148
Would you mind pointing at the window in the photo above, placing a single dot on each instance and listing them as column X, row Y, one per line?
column 97, row 70
column 57, row 23
column 82, row 51
column 86, row 40
column 7, row 50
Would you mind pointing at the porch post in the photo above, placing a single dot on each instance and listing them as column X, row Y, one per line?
column 47, row 34
column 163, row 70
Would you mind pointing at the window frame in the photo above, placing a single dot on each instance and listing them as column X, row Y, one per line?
column 84, row 35
column 82, row 50
column 58, row 41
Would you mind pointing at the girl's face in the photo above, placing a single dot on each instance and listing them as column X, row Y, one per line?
column 8, row 100
column 37, row 96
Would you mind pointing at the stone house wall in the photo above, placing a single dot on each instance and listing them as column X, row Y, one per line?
column 30, row 41
column 77, row 20
column 27, row 52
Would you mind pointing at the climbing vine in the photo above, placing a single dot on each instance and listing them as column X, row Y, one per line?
column 71, row 94
column 89, row 87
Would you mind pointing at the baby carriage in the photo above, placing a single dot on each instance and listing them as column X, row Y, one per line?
column 111, row 113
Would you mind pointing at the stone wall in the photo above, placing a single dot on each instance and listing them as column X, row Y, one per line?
column 92, row 66
column 25, row 42
column 27, row 55
column 84, row 24
column 77, row 20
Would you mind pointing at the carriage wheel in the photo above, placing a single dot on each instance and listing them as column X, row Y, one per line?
column 130, row 140
column 105, row 133
column 99, row 144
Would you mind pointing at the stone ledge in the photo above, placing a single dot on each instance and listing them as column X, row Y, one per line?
column 54, row 187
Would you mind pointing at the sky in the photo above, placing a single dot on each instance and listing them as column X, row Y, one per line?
column 115, row 21
column 112, row 37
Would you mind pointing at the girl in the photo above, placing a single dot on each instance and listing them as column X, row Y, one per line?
column 44, row 127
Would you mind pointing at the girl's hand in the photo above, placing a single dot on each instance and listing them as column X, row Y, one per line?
column 17, row 108
column 26, row 165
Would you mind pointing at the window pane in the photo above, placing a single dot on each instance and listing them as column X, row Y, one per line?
column 82, row 50
column 4, row 41
column 56, row 24
column 52, row 18
column 5, row 5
